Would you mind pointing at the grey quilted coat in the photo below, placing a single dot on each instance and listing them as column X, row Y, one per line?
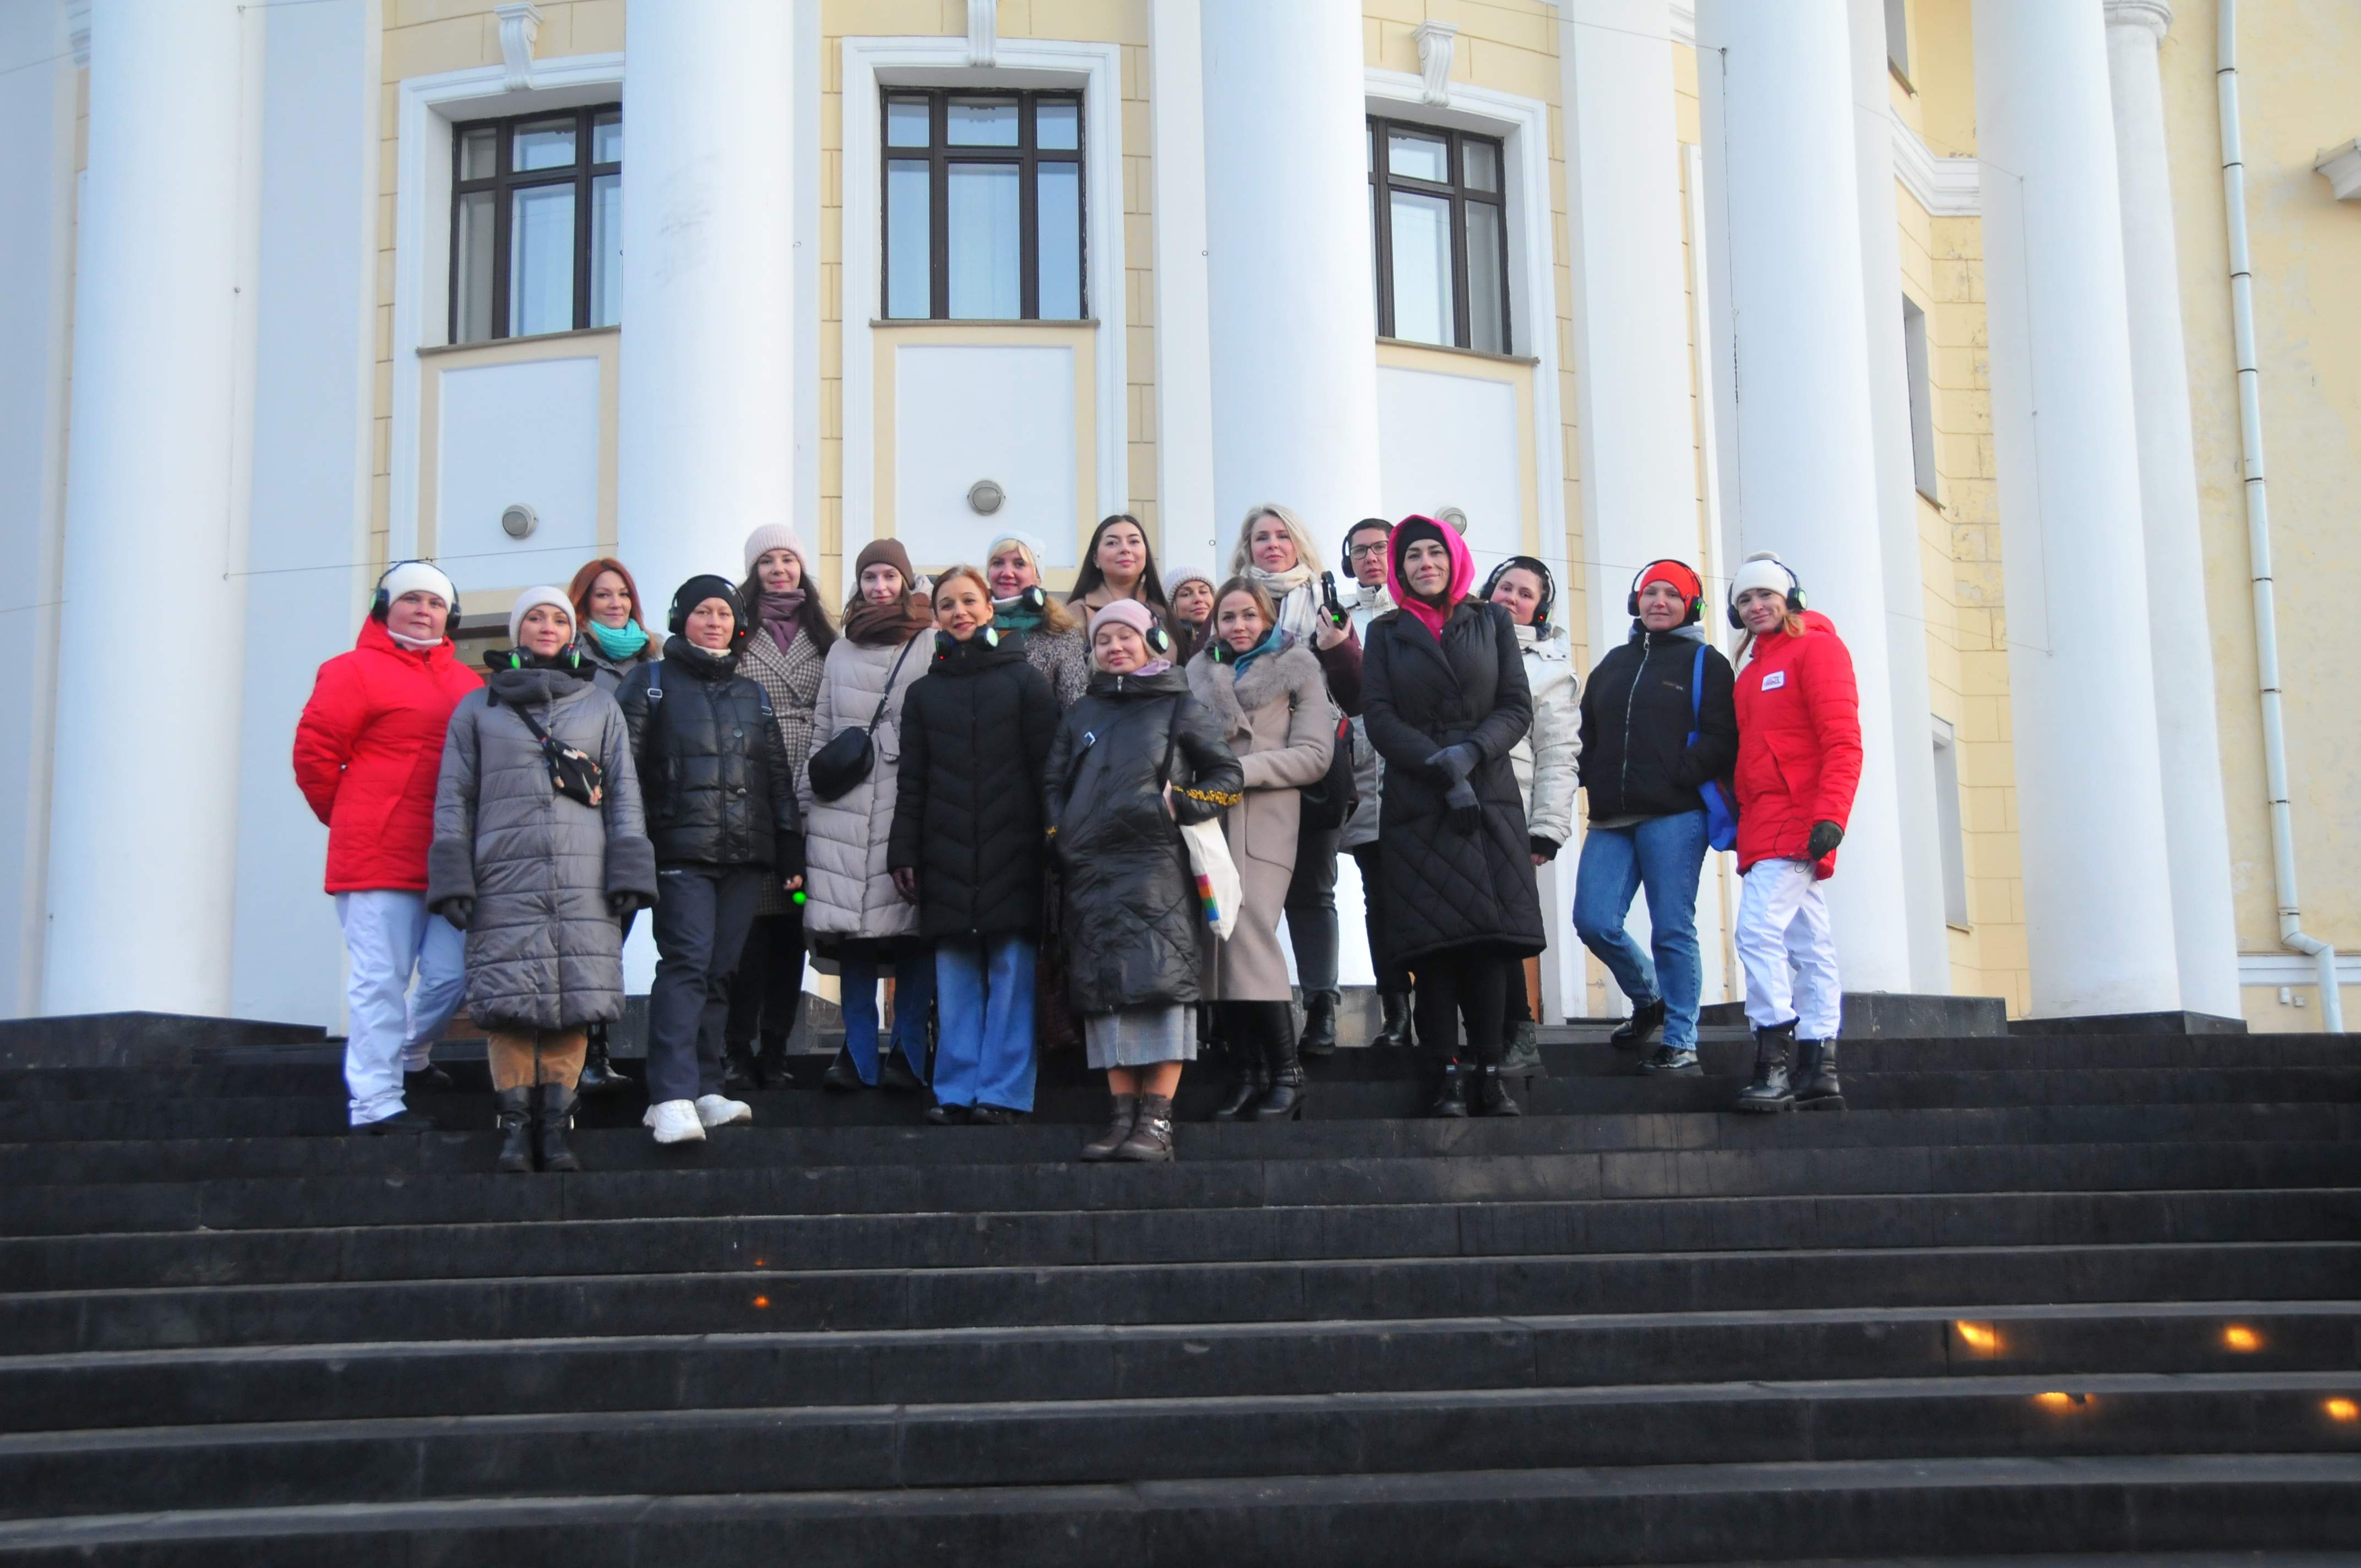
column 544, row 951
column 791, row 680
column 849, row 886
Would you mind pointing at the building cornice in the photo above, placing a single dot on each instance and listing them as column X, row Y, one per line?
column 1945, row 187
column 2154, row 16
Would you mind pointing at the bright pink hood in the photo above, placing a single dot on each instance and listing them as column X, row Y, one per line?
column 1462, row 569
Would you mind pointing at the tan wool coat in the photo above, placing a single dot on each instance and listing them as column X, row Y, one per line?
column 1277, row 720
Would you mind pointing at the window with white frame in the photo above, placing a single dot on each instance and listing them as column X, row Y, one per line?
column 983, row 206
column 1948, row 827
column 536, row 224
column 1922, row 399
column 1439, row 231
column 1897, row 39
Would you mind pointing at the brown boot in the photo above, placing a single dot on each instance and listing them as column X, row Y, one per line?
column 1151, row 1133
column 1127, row 1107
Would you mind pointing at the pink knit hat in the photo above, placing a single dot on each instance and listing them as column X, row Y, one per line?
column 1125, row 612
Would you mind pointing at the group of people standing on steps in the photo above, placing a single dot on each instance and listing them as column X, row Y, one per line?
column 1000, row 799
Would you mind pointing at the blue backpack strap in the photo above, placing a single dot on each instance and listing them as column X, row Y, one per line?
column 1697, row 694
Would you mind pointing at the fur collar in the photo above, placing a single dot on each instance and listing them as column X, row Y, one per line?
column 1232, row 696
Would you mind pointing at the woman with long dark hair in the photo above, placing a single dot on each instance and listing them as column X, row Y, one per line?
column 1119, row 563
column 1193, row 611
column 1447, row 703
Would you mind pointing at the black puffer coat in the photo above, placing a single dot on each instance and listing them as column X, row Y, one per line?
column 1135, row 934
column 713, row 771
column 1636, row 718
column 975, row 731
column 1443, row 888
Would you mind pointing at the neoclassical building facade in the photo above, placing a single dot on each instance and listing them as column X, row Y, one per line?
column 2023, row 329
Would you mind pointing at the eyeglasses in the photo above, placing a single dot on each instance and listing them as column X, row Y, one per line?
column 1366, row 552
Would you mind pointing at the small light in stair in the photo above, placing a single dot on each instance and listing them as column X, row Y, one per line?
column 1978, row 1336
column 2342, row 1410
column 762, row 1301
column 2060, row 1403
column 758, row 1262
column 2242, row 1339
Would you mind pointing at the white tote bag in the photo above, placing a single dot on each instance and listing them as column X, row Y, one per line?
column 1218, row 888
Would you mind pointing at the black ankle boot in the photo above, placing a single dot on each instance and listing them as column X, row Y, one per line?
column 599, row 1078
column 1283, row 1057
column 1491, row 1097
column 1769, row 1092
column 555, row 1120
column 771, row 1063
column 736, row 1067
column 1641, row 1027
column 1243, row 1096
column 842, row 1075
column 1451, row 1099
column 1815, row 1078
column 1319, row 1023
column 515, row 1123
column 1394, row 1032
column 1523, row 1057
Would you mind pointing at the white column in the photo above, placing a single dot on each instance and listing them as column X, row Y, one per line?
column 1633, row 415
column 1905, row 682
column 144, row 823
column 1800, row 469
column 707, row 421
column 1185, row 514
column 2098, row 892
column 1291, row 307
column 2196, row 826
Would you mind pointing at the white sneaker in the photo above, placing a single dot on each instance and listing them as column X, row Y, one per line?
column 674, row 1121
column 715, row 1111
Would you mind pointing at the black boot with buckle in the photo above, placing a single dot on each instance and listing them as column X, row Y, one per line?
column 1815, row 1076
column 515, row 1123
column 554, row 1122
column 1769, row 1092
column 1282, row 1059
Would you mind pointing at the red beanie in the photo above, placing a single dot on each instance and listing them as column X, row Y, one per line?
column 1684, row 582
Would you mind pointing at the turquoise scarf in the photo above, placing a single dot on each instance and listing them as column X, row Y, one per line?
column 618, row 643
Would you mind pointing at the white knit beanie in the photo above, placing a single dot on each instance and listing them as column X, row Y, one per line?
column 1763, row 570
column 411, row 576
column 532, row 597
column 775, row 536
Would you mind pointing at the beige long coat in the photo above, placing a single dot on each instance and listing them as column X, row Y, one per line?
column 1275, row 719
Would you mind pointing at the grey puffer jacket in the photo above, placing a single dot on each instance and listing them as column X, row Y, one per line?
column 848, row 885
column 544, row 950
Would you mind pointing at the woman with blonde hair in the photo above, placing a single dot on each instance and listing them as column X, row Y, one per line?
column 1053, row 639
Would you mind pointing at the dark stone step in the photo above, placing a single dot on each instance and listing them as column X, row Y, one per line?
column 290, row 1202
column 625, row 1149
column 801, row 1242
column 85, row 1390
column 285, row 1115
column 1453, row 1520
column 885, row 1447
column 751, row 1301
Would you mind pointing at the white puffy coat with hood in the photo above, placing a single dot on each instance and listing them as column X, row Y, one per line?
column 1545, row 759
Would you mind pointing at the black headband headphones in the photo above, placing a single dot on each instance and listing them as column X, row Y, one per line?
column 1794, row 589
column 381, row 605
column 677, row 621
column 1032, row 600
column 1697, row 605
column 1526, row 564
column 568, row 658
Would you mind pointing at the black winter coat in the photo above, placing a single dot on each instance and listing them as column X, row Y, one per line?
column 1134, row 933
column 713, row 770
column 1442, row 888
column 975, row 731
column 1636, row 718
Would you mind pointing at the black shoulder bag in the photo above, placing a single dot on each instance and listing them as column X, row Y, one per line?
column 849, row 755
column 1328, row 803
column 573, row 773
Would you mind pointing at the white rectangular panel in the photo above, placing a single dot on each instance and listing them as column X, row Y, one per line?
column 1452, row 441
column 518, row 432
column 967, row 411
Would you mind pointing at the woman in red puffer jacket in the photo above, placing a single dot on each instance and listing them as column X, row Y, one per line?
column 1798, row 765
column 367, row 752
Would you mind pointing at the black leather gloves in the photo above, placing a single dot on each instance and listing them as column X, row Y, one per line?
column 1826, row 835
column 459, row 911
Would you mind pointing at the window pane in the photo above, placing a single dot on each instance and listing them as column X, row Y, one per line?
column 908, row 123
column 1480, row 163
column 1060, row 240
column 607, row 139
column 480, row 154
column 543, row 144
column 606, row 249
column 1375, row 292
column 1058, row 127
column 982, row 122
column 983, row 242
column 472, row 245
column 1487, row 308
column 541, row 260
column 1416, row 157
column 909, row 264
column 1422, row 226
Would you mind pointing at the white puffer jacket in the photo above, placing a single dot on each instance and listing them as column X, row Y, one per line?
column 849, row 888
column 1546, row 758
column 1369, row 768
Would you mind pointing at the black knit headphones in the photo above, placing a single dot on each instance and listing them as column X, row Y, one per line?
column 381, row 604
column 1794, row 589
column 1526, row 564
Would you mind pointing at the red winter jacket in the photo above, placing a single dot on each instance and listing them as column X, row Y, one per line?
column 1798, row 744
column 368, row 751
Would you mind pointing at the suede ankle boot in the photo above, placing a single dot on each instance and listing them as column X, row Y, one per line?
column 516, row 1107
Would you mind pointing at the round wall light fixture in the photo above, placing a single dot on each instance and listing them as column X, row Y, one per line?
column 518, row 520
column 1455, row 516
column 985, row 496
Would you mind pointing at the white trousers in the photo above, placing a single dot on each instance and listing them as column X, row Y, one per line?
column 389, row 937
column 1789, row 951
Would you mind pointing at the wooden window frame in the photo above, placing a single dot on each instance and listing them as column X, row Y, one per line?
column 503, row 182
column 938, row 155
column 1383, row 182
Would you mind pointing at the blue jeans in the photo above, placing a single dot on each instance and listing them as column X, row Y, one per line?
column 914, row 987
column 1665, row 856
column 984, row 1045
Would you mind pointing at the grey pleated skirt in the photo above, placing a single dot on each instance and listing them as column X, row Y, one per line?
column 1140, row 1037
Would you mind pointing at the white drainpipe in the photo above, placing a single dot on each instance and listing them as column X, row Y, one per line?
column 2258, row 532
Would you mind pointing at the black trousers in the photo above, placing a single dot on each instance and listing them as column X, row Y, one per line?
column 1463, row 983
column 766, row 994
column 1391, row 977
column 701, row 915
